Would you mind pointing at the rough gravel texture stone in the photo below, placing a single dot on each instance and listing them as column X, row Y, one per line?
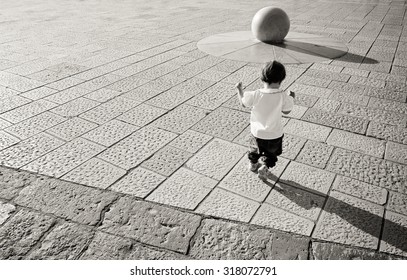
column 394, row 239
column 315, row 154
column 387, row 132
column 6, row 211
column 396, row 152
column 307, row 130
column 329, row 251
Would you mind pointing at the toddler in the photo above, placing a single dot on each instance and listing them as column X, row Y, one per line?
column 266, row 106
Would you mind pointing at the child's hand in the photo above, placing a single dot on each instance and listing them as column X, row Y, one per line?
column 239, row 85
column 292, row 94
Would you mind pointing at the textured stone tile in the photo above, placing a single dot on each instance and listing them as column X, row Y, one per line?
column 387, row 132
column 307, row 177
column 223, row 123
column 344, row 122
column 96, row 173
column 6, row 210
column 385, row 93
column 185, row 189
column 329, row 105
column 151, row 224
column 65, row 83
column 20, row 233
column 66, row 200
column 142, row 115
column 65, row 158
column 373, row 114
column 312, row 81
column 361, row 190
column 307, row 130
column 355, row 72
column 357, row 143
column 397, row 203
column 109, row 247
column 127, row 84
column 138, row 182
column 390, row 105
column 71, row 129
column 310, row 90
column 38, row 93
column 273, row 217
column 190, row 141
column 347, row 96
column 7, row 140
column 304, row 100
column 297, row 112
column 349, row 220
column 213, row 75
column 142, row 93
column 216, row 158
column 331, row 251
column 4, row 124
column 137, row 147
column 396, row 152
column 300, row 202
column 369, row 169
column 394, row 234
column 102, row 95
column 246, row 75
column 292, row 145
column 75, row 107
column 100, row 82
column 224, row 204
column 315, row 154
column 327, row 74
column 27, row 111
column 180, row 119
column 65, row 242
column 12, row 181
column 213, row 97
column 67, row 95
column 244, row 182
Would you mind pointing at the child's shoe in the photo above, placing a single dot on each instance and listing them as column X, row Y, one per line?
column 253, row 167
column 264, row 173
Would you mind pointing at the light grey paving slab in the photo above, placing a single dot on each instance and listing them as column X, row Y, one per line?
column 216, row 158
column 67, row 95
column 12, row 102
column 142, row 114
column 307, row 177
column 185, row 189
column 387, row 132
column 326, row 73
column 244, row 182
column 292, row 145
column 315, row 154
column 103, row 94
column 71, row 129
column 75, row 107
column 302, row 203
column 369, row 169
column 64, row 158
column 110, row 132
column 138, row 182
column 367, row 81
column 100, row 82
column 327, row 105
column 4, row 124
column 304, row 100
column 20, row 233
column 396, row 152
column 65, row 242
column 360, row 189
column 6, row 210
column 137, row 147
column 390, row 105
column 357, row 143
column 213, row 97
column 397, row 203
column 332, row 251
column 7, row 140
column 27, row 111
column 385, row 93
column 181, row 118
column 355, row 72
column 167, row 160
column 65, row 83
column 350, row 97
column 19, row 83
column 312, row 81
column 310, row 90
column 127, row 84
column 223, row 123
column 65, row 200
column 151, row 224
column 190, row 141
column 394, row 232
column 38, row 93
column 224, row 204
column 349, row 220
column 96, row 173
column 307, row 130
column 173, row 97
column 276, row 218
column 297, row 112
column 142, row 93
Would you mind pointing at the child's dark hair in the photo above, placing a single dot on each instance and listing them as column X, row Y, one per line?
column 273, row 72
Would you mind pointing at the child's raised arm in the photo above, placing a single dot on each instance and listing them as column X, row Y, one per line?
column 240, row 92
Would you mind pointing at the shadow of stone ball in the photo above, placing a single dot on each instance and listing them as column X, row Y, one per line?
column 270, row 25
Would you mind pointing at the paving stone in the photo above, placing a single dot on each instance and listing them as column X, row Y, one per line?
column 213, row 97
column 223, row 123
column 369, row 169
column 21, row 232
column 310, row 90
column 331, row 251
column 327, row 105
column 396, row 152
column 344, row 122
column 315, row 154
column 71, row 129
column 246, row 75
column 213, row 75
column 185, row 189
column 142, row 93
column 65, row 83
column 65, row 242
column 66, row 200
column 7, row 140
column 12, row 181
column 385, row 93
column 102, row 95
column 142, row 114
column 304, row 100
column 75, row 107
column 138, row 182
column 312, row 81
column 355, row 72
column 229, row 66
column 4, row 124
column 387, row 132
column 273, row 217
column 216, row 158
column 390, row 105
column 39, row 93
column 65, row 158
column 326, row 74
column 180, row 119
column 190, row 141
column 6, row 210
column 397, row 203
column 300, row 202
column 67, row 95
column 297, row 112
column 100, row 82
column 109, row 247
column 137, row 147
column 127, row 84
column 292, row 145
column 224, row 204
column 350, row 97
column 151, row 224
column 349, row 220
column 393, row 239
column 307, row 130
column 308, row 178
column 27, row 111
column 167, row 160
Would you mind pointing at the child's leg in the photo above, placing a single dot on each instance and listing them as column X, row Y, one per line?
column 254, row 153
column 272, row 149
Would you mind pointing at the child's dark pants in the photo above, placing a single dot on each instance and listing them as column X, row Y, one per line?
column 269, row 149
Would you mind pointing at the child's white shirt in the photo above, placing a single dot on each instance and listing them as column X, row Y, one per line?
column 266, row 114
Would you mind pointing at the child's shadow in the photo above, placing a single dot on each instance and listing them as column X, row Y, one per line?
column 384, row 229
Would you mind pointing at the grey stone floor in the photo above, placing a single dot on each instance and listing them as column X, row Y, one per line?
column 120, row 139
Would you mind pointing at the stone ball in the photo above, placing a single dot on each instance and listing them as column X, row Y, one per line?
column 270, row 25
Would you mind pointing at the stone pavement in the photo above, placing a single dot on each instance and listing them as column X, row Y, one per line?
column 119, row 139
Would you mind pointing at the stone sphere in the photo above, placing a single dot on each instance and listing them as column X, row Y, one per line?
column 270, row 25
